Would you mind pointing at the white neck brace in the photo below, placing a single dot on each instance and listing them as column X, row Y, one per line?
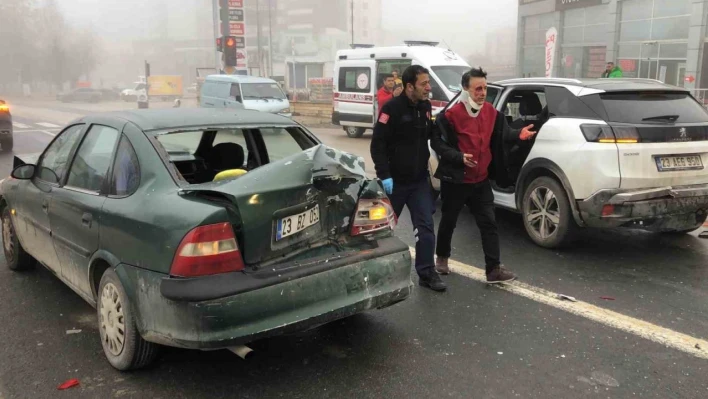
column 475, row 107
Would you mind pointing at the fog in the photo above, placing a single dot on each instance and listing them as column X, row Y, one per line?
column 176, row 36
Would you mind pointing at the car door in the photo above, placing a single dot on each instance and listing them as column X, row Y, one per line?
column 235, row 99
column 76, row 206
column 38, row 195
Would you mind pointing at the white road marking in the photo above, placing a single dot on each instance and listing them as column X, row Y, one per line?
column 47, row 124
column 660, row 335
column 46, row 132
column 20, row 125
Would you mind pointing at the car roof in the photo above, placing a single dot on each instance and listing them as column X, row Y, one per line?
column 238, row 79
column 604, row 85
column 185, row 118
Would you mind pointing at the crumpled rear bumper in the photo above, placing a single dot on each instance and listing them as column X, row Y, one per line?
column 288, row 306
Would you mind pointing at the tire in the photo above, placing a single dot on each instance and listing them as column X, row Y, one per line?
column 554, row 235
column 7, row 145
column 16, row 256
column 354, row 132
column 112, row 305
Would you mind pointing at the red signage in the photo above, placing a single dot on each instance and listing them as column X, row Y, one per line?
column 237, row 28
column 235, row 3
column 628, row 65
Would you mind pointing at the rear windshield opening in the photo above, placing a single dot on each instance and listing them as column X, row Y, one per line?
column 200, row 155
column 653, row 107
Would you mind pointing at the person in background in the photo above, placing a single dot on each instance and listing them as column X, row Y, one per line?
column 387, row 91
column 469, row 139
column 612, row 71
column 397, row 80
column 399, row 149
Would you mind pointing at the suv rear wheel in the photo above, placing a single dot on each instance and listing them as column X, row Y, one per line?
column 354, row 132
column 548, row 217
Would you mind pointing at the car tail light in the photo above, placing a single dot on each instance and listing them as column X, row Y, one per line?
column 206, row 250
column 4, row 108
column 610, row 134
column 373, row 215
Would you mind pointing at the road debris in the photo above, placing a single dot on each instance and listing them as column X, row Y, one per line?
column 698, row 346
column 607, row 298
column 567, row 298
column 68, row 332
column 68, row 384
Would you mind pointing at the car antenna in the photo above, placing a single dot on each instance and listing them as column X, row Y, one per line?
column 448, row 46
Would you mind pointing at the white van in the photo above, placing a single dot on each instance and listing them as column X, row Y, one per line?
column 359, row 74
column 249, row 92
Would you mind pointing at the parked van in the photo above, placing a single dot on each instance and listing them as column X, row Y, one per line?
column 359, row 74
column 246, row 92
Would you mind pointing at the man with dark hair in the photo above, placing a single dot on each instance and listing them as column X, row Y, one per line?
column 400, row 153
column 469, row 139
column 387, row 91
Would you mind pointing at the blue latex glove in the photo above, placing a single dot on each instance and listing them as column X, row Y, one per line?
column 388, row 185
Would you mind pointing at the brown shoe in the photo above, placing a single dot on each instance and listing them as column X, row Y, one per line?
column 500, row 275
column 441, row 266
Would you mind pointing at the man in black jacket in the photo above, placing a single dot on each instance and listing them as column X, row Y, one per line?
column 400, row 153
column 470, row 138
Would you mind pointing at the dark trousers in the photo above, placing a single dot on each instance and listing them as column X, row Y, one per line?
column 480, row 199
column 418, row 198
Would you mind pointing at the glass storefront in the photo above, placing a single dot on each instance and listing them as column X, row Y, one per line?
column 653, row 39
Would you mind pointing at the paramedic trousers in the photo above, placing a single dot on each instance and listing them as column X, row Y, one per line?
column 419, row 200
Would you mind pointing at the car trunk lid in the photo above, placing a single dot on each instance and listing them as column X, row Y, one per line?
column 295, row 204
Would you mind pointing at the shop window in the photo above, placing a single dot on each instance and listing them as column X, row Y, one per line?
column 671, row 8
column 636, row 9
column 635, row 31
column 670, row 28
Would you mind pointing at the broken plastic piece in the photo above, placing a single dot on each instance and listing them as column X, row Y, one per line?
column 69, row 384
column 607, row 298
column 72, row 332
column 567, row 298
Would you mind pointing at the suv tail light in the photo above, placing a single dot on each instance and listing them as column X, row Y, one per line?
column 373, row 215
column 610, row 134
column 4, row 108
column 206, row 250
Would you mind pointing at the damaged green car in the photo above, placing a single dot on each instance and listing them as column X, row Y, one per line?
column 203, row 228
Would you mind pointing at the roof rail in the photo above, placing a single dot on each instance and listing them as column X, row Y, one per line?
column 522, row 80
column 637, row 79
column 355, row 45
column 420, row 43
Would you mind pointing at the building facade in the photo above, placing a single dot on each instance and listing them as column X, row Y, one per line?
column 657, row 39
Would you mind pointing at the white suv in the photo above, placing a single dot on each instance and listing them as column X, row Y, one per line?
column 608, row 153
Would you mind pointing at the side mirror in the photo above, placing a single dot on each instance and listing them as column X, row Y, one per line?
column 23, row 172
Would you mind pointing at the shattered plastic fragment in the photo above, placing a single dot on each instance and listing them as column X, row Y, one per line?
column 68, row 384
column 72, row 332
column 567, row 298
column 607, row 298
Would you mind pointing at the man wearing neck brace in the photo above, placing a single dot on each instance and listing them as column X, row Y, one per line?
column 468, row 137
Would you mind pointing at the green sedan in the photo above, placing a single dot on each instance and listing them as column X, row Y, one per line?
column 203, row 228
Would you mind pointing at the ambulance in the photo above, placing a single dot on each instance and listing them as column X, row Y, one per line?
column 359, row 74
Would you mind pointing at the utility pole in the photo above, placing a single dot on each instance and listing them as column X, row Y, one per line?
column 215, row 12
column 352, row 21
column 258, row 27
column 270, row 38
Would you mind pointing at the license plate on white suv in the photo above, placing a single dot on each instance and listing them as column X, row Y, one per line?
column 667, row 163
column 290, row 225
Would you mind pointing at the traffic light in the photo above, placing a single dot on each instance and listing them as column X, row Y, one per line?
column 230, row 57
column 219, row 46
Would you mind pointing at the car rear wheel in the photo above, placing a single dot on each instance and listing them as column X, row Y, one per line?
column 354, row 132
column 548, row 217
column 122, row 344
column 16, row 256
column 7, row 145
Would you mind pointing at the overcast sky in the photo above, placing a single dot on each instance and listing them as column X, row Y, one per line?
column 463, row 24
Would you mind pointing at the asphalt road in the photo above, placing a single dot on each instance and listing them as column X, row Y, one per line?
column 472, row 341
